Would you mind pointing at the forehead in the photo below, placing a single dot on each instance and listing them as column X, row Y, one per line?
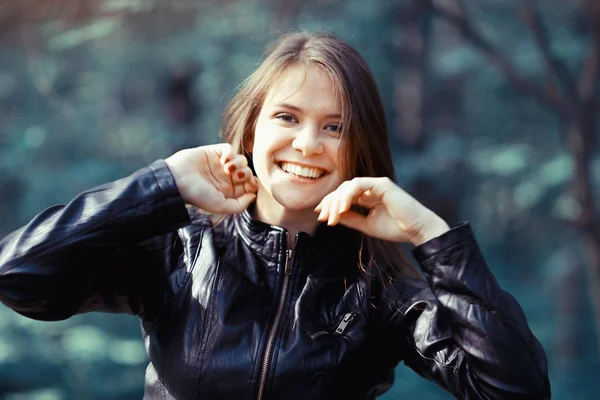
column 305, row 87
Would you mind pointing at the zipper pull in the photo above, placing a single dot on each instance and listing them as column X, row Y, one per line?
column 289, row 255
column 348, row 317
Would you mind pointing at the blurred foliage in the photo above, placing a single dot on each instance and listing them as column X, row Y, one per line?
column 92, row 90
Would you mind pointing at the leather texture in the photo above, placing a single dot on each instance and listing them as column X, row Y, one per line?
column 208, row 295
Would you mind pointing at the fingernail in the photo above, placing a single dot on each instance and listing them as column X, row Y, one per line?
column 231, row 167
column 241, row 174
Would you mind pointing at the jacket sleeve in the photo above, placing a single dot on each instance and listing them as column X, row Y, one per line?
column 109, row 249
column 463, row 331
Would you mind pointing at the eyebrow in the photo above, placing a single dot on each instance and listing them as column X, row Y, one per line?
column 300, row 110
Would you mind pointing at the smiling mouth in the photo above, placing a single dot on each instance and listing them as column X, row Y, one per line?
column 301, row 172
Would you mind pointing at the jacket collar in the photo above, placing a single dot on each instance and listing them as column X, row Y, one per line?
column 271, row 241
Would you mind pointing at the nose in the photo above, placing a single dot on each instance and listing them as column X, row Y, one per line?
column 308, row 141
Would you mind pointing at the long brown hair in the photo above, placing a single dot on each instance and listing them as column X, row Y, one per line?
column 367, row 151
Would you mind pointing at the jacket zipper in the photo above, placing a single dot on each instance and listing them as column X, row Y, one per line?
column 288, row 268
column 344, row 323
column 339, row 330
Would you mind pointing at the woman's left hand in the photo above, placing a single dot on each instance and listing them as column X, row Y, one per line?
column 394, row 215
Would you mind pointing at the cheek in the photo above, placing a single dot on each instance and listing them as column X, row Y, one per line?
column 338, row 153
column 268, row 139
column 258, row 144
column 261, row 157
column 339, row 179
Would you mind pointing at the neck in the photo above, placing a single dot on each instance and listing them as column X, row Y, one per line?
column 293, row 221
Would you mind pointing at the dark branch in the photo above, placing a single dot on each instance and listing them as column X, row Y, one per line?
column 561, row 73
column 590, row 75
column 469, row 32
column 588, row 81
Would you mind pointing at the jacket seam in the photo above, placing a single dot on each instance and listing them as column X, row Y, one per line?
column 55, row 244
column 362, row 303
column 259, row 254
column 479, row 389
column 461, row 243
column 445, row 365
column 191, row 262
column 177, row 294
column 250, row 246
column 207, row 318
column 404, row 308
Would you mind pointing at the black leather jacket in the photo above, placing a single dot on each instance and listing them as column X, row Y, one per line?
column 236, row 310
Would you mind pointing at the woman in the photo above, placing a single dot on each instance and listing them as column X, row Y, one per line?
column 270, row 301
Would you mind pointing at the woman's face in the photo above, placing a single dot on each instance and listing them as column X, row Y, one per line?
column 296, row 140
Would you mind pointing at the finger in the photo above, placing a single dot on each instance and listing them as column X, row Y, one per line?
column 225, row 152
column 238, row 162
column 348, row 198
column 251, row 185
column 346, row 195
column 349, row 192
column 241, row 175
column 319, row 207
column 362, row 184
column 367, row 199
column 354, row 220
column 334, row 207
column 324, row 210
column 238, row 205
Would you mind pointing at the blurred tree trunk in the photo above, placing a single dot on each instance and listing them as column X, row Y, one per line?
column 581, row 141
column 575, row 101
column 411, row 50
column 420, row 112
column 285, row 13
column 568, row 349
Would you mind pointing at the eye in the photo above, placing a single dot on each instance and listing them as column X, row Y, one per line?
column 335, row 129
column 286, row 118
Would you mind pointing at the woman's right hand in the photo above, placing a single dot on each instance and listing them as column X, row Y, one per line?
column 214, row 178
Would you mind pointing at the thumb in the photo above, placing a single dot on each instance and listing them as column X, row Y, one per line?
column 238, row 205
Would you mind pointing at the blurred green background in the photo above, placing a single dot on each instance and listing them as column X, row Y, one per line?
column 492, row 106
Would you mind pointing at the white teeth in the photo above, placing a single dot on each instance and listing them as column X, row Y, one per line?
column 300, row 171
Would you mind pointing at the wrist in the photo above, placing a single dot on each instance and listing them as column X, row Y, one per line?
column 432, row 228
column 178, row 177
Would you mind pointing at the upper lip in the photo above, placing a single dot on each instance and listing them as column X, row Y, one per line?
column 301, row 164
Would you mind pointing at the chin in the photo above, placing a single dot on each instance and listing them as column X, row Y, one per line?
column 297, row 203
